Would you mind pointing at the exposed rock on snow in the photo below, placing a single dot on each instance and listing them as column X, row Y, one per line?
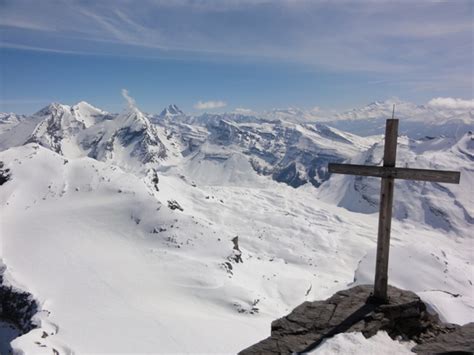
column 459, row 341
column 4, row 174
column 17, row 309
column 174, row 205
column 405, row 317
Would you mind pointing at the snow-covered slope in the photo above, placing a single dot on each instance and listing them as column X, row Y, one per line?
column 101, row 248
column 122, row 263
column 444, row 206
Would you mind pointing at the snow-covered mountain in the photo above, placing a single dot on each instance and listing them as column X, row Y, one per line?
column 418, row 121
column 288, row 152
column 9, row 120
column 128, row 139
column 60, row 125
column 293, row 114
column 128, row 223
column 171, row 111
column 406, row 111
column 443, row 206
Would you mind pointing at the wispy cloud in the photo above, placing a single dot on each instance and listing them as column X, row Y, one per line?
column 244, row 111
column 130, row 100
column 209, row 105
column 452, row 103
column 399, row 41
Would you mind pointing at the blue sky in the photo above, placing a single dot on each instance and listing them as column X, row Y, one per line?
column 254, row 54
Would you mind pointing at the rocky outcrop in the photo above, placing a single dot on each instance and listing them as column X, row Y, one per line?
column 403, row 317
column 16, row 307
column 4, row 174
column 459, row 341
column 174, row 205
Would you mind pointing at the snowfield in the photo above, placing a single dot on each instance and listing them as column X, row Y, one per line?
column 121, row 226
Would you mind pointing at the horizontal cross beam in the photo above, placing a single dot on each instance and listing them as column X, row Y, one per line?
column 450, row 177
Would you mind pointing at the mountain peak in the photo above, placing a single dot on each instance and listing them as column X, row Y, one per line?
column 85, row 106
column 52, row 108
column 171, row 110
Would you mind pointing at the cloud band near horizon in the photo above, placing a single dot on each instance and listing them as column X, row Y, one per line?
column 209, row 105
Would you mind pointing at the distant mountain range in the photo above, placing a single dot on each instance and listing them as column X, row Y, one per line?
column 292, row 145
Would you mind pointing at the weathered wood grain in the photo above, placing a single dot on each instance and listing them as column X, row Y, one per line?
column 444, row 176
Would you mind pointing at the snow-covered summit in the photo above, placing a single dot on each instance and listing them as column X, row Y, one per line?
column 88, row 114
column 128, row 140
column 52, row 109
column 58, row 125
column 171, row 111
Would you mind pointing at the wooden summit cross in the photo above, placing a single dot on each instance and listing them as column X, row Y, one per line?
column 388, row 172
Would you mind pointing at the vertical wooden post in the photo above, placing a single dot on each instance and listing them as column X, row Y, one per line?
column 385, row 216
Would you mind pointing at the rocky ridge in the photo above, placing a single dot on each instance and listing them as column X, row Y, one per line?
column 404, row 317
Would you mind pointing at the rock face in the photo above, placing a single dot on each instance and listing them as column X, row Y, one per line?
column 16, row 307
column 353, row 310
column 459, row 341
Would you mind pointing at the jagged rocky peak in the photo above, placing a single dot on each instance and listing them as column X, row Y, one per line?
column 171, row 111
column 57, row 124
column 80, row 115
column 52, row 109
column 131, row 130
column 135, row 120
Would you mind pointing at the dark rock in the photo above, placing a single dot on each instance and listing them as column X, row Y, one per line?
column 354, row 310
column 174, row 205
column 4, row 174
column 16, row 307
column 459, row 341
column 236, row 252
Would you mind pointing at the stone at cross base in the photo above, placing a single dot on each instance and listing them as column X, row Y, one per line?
column 405, row 318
